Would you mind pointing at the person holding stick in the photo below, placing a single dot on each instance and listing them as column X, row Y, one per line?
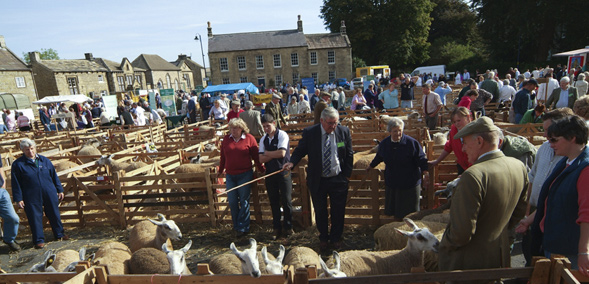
column 274, row 153
column 331, row 160
column 238, row 149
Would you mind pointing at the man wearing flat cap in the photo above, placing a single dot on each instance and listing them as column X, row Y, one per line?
column 274, row 109
column 486, row 205
column 322, row 104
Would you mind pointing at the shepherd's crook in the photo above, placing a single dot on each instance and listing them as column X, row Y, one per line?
column 251, row 181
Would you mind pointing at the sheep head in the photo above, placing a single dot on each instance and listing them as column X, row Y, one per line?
column 45, row 266
column 248, row 258
column 72, row 266
column 274, row 266
column 177, row 258
column 196, row 159
column 105, row 160
column 334, row 272
column 420, row 238
column 167, row 229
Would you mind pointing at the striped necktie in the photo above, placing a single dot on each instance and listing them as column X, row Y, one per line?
column 327, row 156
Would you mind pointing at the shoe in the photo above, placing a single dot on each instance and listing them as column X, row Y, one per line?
column 64, row 238
column 276, row 234
column 337, row 245
column 323, row 247
column 40, row 245
column 288, row 233
column 13, row 246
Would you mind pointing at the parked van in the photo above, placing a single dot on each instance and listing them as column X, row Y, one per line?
column 435, row 69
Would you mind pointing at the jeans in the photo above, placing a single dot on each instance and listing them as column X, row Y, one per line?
column 518, row 118
column 406, row 104
column 239, row 200
column 9, row 217
column 3, row 128
column 279, row 188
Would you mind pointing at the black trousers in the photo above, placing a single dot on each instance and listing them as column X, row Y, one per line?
column 279, row 189
column 337, row 189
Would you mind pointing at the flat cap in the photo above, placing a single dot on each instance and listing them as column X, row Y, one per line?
column 483, row 124
column 323, row 94
column 235, row 102
column 531, row 81
column 276, row 96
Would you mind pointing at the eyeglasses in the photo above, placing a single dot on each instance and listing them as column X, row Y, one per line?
column 553, row 140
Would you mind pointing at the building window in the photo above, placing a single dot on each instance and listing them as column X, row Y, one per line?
column 314, row 76
column 331, row 75
column 259, row 62
column 168, row 81
column 294, row 59
column 187, row 79
column 277, row 61
column 223, row 64
column 295, row 78
column 226, row 81
column 331, row 57
column 100, row 79
column 138, row 80
column 129, row 80
column 313, row 57
column 176, row 84
column 243, row 79
column 103, row 93
column 20, row 82
column 278, row 80
column 72, row 84
column 121, row 82
column 241, row 62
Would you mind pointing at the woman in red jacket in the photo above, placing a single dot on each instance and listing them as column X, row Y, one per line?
column 238, row 149
column 460, row 118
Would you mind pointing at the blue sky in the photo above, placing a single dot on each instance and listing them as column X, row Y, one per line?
column 116, row 29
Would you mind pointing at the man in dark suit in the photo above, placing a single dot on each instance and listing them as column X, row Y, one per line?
column 329, row 147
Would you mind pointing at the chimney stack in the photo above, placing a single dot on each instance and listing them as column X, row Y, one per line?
column 209, row 30
column 2, row 42
column 299, row 24
column 182, row 56
column 89, row 56
column 342, row 29
column 34, row 56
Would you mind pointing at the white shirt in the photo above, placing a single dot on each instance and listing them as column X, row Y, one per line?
column 543, row 165
column 140, row 112
column 507, row 93
column 545, row 89
column 335, row 167
column 563, row 100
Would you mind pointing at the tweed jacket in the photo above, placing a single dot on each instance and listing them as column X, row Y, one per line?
column 555, row 96
column 253, row 121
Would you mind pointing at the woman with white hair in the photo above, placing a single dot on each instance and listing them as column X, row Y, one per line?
column 293, row 106
column 303, row 105
column 581, row 85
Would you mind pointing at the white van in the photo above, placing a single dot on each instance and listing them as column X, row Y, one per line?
column 435, row 69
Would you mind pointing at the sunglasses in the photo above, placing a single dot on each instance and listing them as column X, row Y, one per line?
column 553, row 140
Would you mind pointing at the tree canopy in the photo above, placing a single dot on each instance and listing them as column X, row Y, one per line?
column 45, row 54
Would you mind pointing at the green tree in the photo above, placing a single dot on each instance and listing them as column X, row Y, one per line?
column 381, row 31
column 453, row 19
column 357, row 62
column 45, row 54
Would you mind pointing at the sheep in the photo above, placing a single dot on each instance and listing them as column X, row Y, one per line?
column 419, row 215
column 300, row 257
column 149, row 261
column 334, row 272
column 440, row 138
column 250, row 263
column 66, row 257
column 64, row 165
column 90, row 148
column 151, row 233
column 82, row 257
column 273, row 266
column 357, row 263
column 385, row 237
column 116, row 166
column 45, row 265
column 177, row 259
column 115, row 256
column 247, row 262
column 443, row 217
column 449, row 190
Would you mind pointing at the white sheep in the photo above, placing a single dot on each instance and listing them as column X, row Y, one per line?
column 177, row 259
column 115, row 256
column 90, row 148
column 334, row 272
column 66, row 260
column 250, row 263
column 149, row 261
column 230, row 263
column 45, row 265
column 300, row 257
column 440, row 138
column 387, row 238
column 151, row 233
column 273, row 266
column 357, row 263
column 116, row 166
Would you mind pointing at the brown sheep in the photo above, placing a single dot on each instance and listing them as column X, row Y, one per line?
column 115, row 256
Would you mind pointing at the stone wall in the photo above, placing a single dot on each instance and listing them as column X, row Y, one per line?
column 8, row 84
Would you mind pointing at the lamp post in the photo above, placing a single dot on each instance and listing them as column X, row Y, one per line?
column 199, row 38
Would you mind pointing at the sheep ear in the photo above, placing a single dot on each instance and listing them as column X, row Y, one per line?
column 411, row 224
column 49, row 261
column 404, row 233
column 281, row 254
column 82, row 253
column 157, row 223
column 161, row 216
column 265, row 255
column 165, row 248
column 234, row 249
column 111, row 156
column 324, row 266
column 91, row 257
column 337, row 260
column 253, row 243
column 187, row 246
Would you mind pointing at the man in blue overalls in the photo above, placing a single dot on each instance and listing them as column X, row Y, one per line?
column 36, row 188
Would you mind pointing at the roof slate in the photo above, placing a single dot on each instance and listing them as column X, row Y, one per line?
column 334, row 40
column 256, row 40
column 153, row 62
column 10, row 62
column 73, row 65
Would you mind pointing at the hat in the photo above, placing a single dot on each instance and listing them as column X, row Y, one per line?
column 293, row 98
column 276, row 96
column 531, row 81
column 235, row 102
column 483, row 124
column 323, row 94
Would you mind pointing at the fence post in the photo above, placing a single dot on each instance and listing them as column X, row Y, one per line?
column 210, row 193
column 374, row 189
column 301, row 276
column 433, row 172
column 256, row 203
column 306, row 208
column 119, row 192
column 72, row 181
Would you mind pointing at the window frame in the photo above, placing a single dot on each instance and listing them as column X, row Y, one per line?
column 241, row 62
column 276, row 57
column 313, row 55
column 223, row 61
column 332, row 60
column 294, row 59
column 259, row 61
column 20, row 82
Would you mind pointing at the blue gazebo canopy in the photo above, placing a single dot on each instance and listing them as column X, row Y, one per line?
column 251, row 88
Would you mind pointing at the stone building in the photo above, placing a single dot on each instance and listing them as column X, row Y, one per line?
column 69, row 76
column 15, row 76
column 275, row 57
column 122, row 76
column 192, row 72
column 160, row 73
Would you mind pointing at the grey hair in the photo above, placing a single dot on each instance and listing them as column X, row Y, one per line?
column 491, row 137
column 506, row 82
column 581, row 77
column 248, row 105
column 491, row 75
column 395, row 122
column 565, row 79
column 329, row 112
column 27, row 143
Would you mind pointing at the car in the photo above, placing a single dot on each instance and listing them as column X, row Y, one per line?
column 358, row 82
column 340, row 82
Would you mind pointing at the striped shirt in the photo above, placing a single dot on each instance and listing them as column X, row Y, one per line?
column 543, row 166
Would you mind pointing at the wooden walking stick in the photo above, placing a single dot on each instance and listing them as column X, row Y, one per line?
column 251, row 181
